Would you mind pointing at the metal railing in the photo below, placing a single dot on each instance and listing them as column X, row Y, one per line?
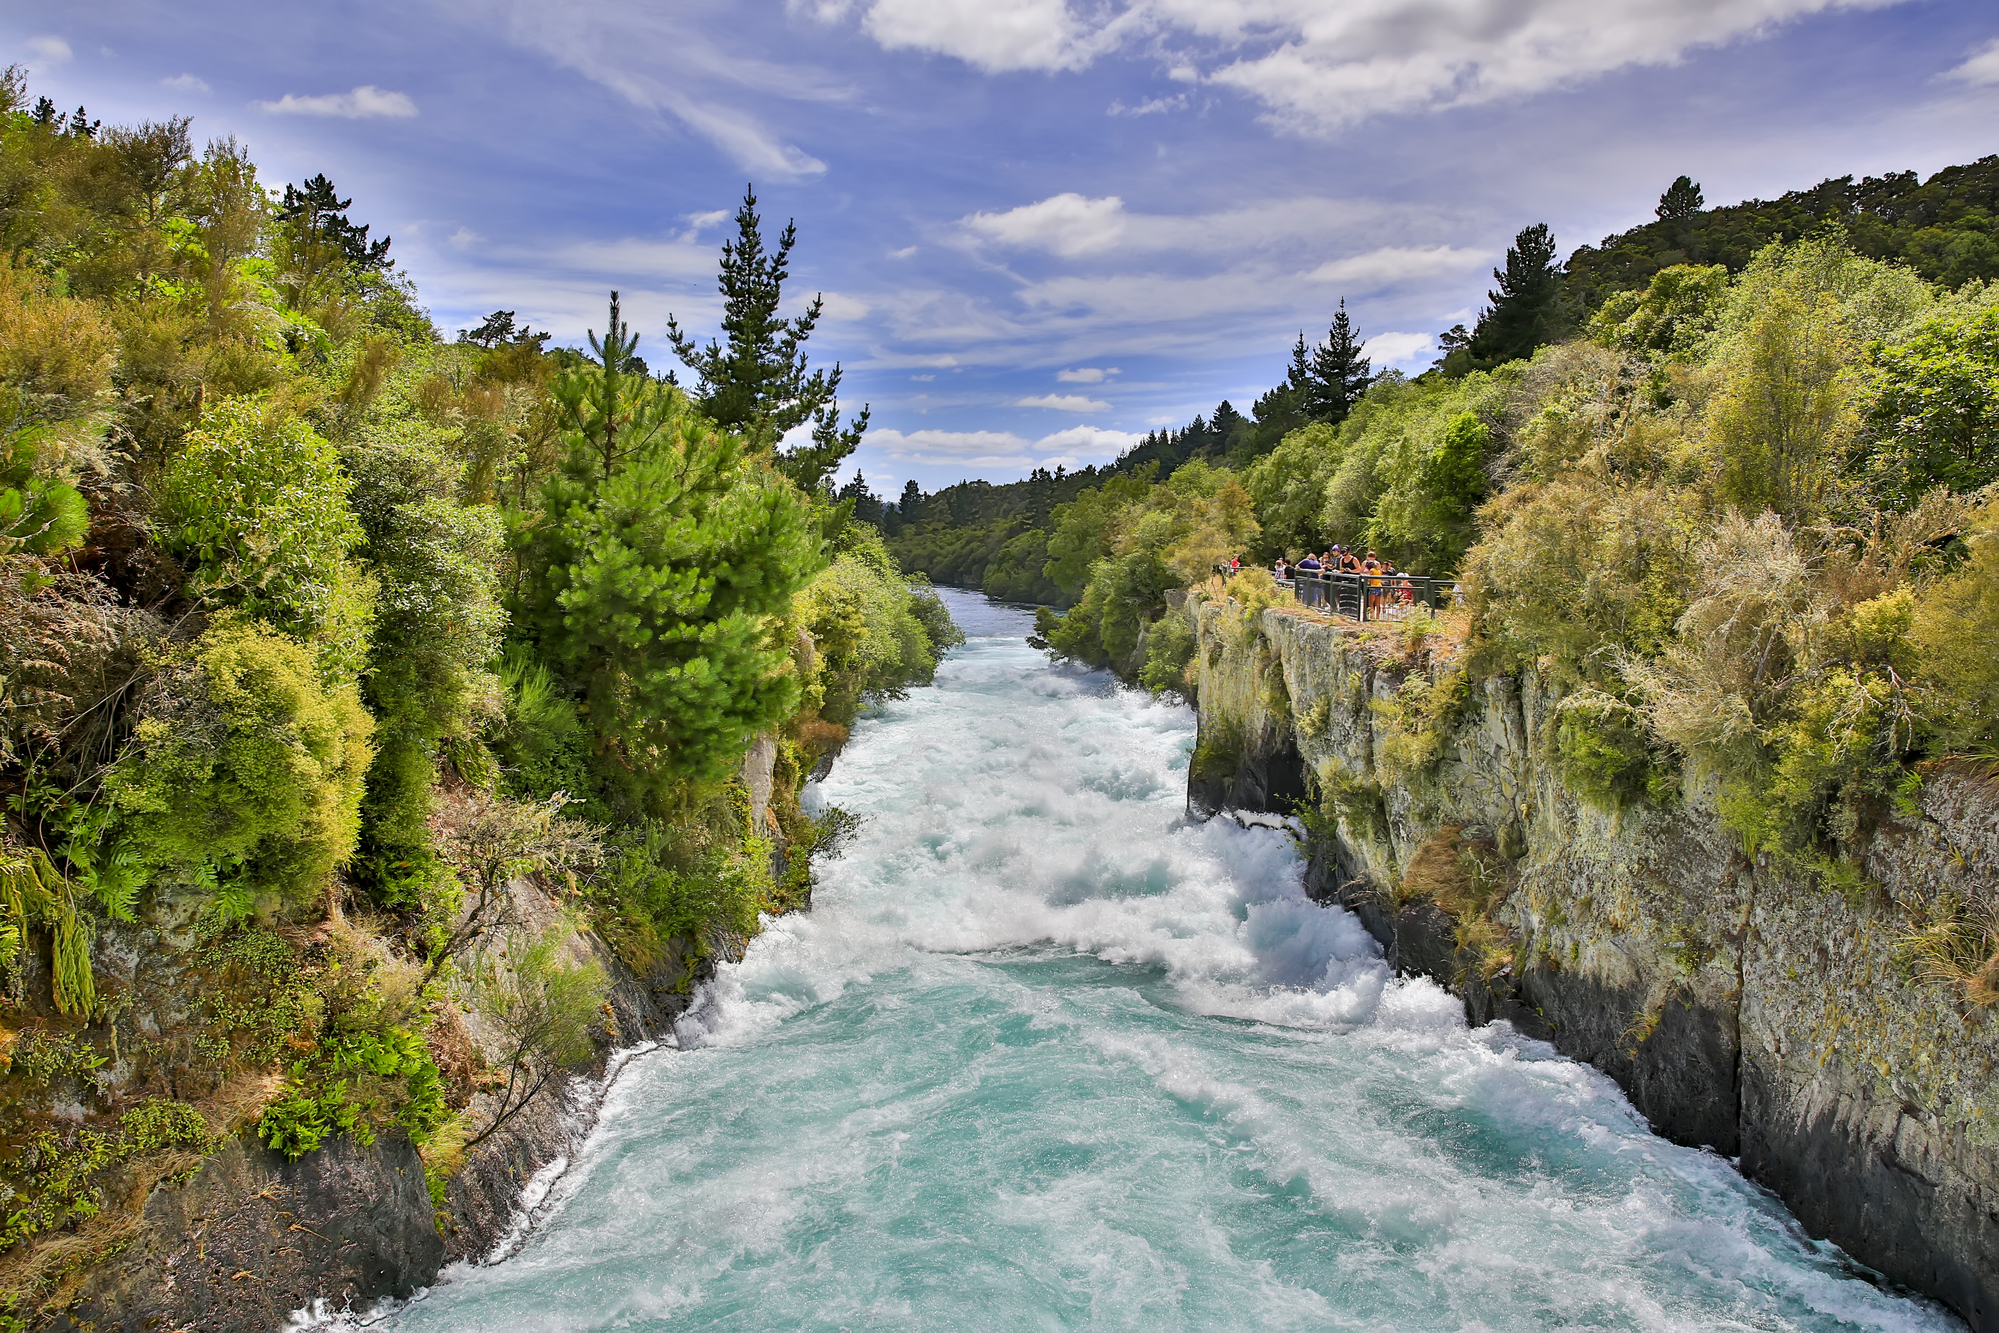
column 1367, row 596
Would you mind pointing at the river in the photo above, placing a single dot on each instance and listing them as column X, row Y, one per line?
column 1048, row 1055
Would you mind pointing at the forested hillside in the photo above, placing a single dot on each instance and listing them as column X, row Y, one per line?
column 1944, row 230
column 319, row 633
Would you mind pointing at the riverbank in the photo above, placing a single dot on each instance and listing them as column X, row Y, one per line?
column 1743, row 1007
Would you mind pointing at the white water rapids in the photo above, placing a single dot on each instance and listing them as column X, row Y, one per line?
column 1048, row 1055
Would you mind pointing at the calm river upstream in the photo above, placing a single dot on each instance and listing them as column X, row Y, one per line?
column 1048, row 1055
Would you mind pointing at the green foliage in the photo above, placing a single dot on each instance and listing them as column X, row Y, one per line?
column 1526, row 310
column 544, row 1008
column 255, row 503
column 664, row 887
column 1169, row 648
column 1416, row 721
column 1955, row 632
column 244, row 764
column 1673, row 314
column 1155, row 539
column 653, row 587
column 347, row 1087
column 869, row 637
column 1935, row 413
column 1607, row 755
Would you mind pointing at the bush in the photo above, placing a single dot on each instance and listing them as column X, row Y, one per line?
column 256, row 504
column 1607, row 755
column 244, row 767
column 1168, row 650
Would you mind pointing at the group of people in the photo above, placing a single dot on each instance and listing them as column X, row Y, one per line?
column 1384, row 582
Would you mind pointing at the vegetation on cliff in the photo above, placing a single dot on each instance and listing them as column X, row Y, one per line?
column 322, row 639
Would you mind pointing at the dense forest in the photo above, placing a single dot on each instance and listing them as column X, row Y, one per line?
column 319, row 633
column 1945, row 230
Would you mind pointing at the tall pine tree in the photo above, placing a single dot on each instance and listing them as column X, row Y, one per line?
column 1340, row 373
column 1524, row 313
column 757, row 383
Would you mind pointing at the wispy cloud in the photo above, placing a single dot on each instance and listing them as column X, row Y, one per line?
column 1001, row 449
column 366, row 102
column 185, row 83
column 1393, row 264
column 47, row 52
column 1085, row 375
column 1398, row 349
column 1981, row 67
column 1065, row 402
column 1316, row 66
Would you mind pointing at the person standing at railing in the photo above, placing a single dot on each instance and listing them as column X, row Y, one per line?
column 1280, row 570
column 1371, row 567
column 1309, row 568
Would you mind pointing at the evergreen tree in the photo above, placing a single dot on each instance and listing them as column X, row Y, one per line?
column 867, row 505
column 657, row 566
column 318, row 214
column 911, row 505
column 1523, row 314
column 1340, row 373
column 758, row 384
column 1681, row 200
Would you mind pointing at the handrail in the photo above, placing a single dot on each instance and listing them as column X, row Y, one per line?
column 1364, row 596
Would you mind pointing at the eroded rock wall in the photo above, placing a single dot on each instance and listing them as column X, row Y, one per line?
column 1742, row 1007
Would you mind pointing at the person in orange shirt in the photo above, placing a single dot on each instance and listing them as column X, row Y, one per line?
column 1372, row 568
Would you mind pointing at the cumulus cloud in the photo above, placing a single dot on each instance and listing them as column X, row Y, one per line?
column 366, row 102
column 1396, row 349
column 1981, row 67
column 1392, row 264
column 1317, row 67
column 48, row 52
column 185, row 83
column 1085, row 375
column 1067, row 224
column 1065, row 402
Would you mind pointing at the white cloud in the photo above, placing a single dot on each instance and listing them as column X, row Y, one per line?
column 1392, row 264
column 903, row 253
column 463, row 239
column 1067, row 224
column 185, row 83
column 366, row 102
column 1065, row 402
column 1085, row 375
column 994, row 448
column 922, row 379
column 1011, row 34
column 700, row 222
column 1981, row 67
column 1154, row 106
column 844, row 307
column 1317, row 66
column 1396, row 349
column 48, row 52
column 1088, row 442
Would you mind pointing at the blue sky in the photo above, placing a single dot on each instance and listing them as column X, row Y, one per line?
column 1043, row 227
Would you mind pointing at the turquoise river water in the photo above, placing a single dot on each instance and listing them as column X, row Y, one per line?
column 1048, row 1055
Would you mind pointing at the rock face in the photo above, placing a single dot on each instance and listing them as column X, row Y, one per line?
column 253, row 1237
column 1742, row 1007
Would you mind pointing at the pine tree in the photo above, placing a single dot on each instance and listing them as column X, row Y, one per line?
column 911, row 505
column 658, row 565
column 1523, row 314
column 1340, row 373
column 318, row 213
column 1681, row 200
column 758, row 384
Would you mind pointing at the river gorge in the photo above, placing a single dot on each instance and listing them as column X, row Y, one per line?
column 1049, row 1053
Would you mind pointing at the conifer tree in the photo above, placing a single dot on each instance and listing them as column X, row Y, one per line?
column 758, row 383
column 1340, row 373
column 1681, row 200
column 911, row 505
column 1523, row 313
column 655, row 573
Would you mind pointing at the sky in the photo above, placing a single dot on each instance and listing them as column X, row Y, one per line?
column 1042, row 228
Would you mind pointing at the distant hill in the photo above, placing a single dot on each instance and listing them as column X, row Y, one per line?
column 1946, row 228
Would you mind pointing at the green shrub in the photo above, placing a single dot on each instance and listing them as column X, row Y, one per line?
column 1606, row 753
column 255, row 503
column 244, row 765
column 1169, row 648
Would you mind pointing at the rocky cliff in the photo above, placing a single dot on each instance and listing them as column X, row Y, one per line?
column 1743, row 1007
